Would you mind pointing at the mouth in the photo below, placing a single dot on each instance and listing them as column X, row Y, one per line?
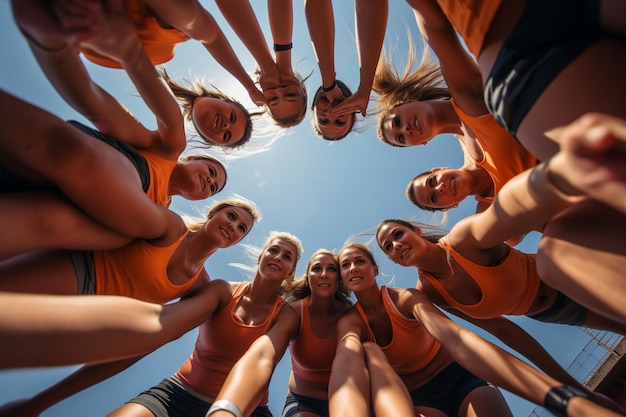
column 417, row 125
column 225, row 233
column 452, row 186
column 273, row 266
column 202, row 182
column 404, row 254
column 354, row 279
column 217, row 121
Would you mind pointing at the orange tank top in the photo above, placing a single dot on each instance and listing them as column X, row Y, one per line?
column 158, row 41
column 160, row 173
column 411, row 347
column 471, row 19
column 311, row 357
column 222, row 340
column 503, row 156
column 509, row 288
column 139, row 270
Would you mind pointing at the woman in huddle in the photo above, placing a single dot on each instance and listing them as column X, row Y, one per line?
column 235, row 314
column 440, row 363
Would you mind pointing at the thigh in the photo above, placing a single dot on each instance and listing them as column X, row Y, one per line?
column 485, row 401
column 47, row 271
column 131, row 410
column 583, row 254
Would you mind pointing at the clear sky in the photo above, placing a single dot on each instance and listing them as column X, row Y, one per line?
column 320, row 191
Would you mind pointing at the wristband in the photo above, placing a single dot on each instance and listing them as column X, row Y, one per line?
column 279, row 47
column 330, row 88
column 225, row 405
column 558, row 397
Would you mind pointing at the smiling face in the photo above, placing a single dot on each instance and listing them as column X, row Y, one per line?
column 357, row 269
column 323, row 275
column 287, row 102
column 400, row 243
column 200, row 178
column 441, row 189
column 229, row 225
column 330, row 128
column 278, row 259
column 220, row 122
column 409, row 124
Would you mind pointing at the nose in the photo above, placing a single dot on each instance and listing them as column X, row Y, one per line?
column 440, row 186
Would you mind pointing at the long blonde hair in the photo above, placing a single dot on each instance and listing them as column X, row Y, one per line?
column 395, row 88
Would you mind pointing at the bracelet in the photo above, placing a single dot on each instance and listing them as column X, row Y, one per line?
column 556, row 190
column 279, row 47
column 330, row 88
column 225, row 405
column 558, row 397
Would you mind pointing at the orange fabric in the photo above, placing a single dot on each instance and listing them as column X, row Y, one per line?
column 509, row 288
column 411, row 347
column 471, row 19
column 160, row 173
column 311, row 357
column 158, row 42
column 139, row 270
column 504, row 157
column 222, row 340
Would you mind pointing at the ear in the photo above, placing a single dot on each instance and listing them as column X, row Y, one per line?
column 375, row 271
column 435, row 169
column 418, row 231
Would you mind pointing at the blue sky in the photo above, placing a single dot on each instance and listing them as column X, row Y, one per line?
column 322, row 192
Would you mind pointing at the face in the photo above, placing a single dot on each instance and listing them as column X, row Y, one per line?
column 323, row 275
column 357, row 271
column 229, row 225
column 443, row 188
column 400, row 243
column 201, row 178
column 219, row 121
column 285, row 101
column 278, row 259
column 410, row 124
column 330, row 127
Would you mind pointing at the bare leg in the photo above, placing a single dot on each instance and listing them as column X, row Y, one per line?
column 583, row 254
column 47, row 271
column 485, row 402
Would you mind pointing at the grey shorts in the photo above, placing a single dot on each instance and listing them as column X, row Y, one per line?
column 171, row 399
column 295, row 404
column 563, row 311
column 85, row 271
column 548, row 36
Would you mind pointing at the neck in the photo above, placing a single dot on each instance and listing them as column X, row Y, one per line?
column 449, row 121
column 199, row 247
column 263, row 291
column 482, row 183
column 434, row 260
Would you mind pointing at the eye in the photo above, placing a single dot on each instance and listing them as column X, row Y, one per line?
column 431, row 180
column 292, row 95
column 400, row 140
column 323, row 122
column 344, row 265
column 213, row 188
column 212, row 172
column 387, row 247
column 232, row 216
column 396, row 121
column 233, row 117
column 243, row 228
column 272, row 250
column 360, row 261
column 398, row 234
column 316, row 268
column 287, row 257
column 433, row 198
column 226, row 137
column 333, row 268
column 340, row 123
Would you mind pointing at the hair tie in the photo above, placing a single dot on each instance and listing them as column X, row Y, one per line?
column 279, row 47
column 330, row 88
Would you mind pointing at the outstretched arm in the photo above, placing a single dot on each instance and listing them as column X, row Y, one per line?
column 259, row 360
column 492, row 363
column 458, row 67
column 190, row 17
column 371, row 23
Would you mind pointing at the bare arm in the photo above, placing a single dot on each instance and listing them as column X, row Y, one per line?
column 458, row 67
column 491, row 363
column 371, row 23
column 259, row 360
column 281, row 24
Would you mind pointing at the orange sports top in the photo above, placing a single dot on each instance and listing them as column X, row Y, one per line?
column 222, row 340
column 160, row 173
column 139, row 270
column 311, row 357
column 157, row 41
column 411, row 347
column 471, row 19
column 509, row 288
column 504, row 157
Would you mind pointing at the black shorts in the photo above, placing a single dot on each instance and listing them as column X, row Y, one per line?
column 447, row 390
column 170, row 399
column 84, row 268
column 548, row 36
column 295, row 404
column 563, row 311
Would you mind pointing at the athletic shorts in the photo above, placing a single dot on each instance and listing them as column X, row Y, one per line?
column 125, row 149
column 447, row 390
column 171, row 399
column 295, row 404
column 548, row 36
column 85, row 271
column 563, row 311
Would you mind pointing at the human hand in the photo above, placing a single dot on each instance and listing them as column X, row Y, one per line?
column 257, row 96
column 19, row 408
column 356, row 103
column 591, row 159
column 335, row 96
column 269, row 78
